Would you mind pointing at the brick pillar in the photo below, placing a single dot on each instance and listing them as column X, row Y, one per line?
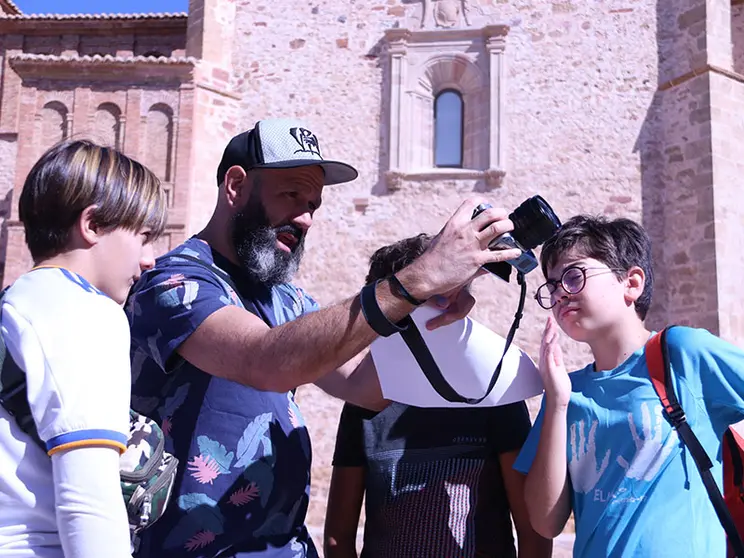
column 10, row 95
column 210, row 31
column 214, row 104
column 693, row 33
column 17, row 258
column 727, row 123
column 696, row 132
column 10, row 121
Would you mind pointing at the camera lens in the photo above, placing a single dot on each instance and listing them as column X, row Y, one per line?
column 534, row 222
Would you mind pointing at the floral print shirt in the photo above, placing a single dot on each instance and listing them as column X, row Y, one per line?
column 244, row 473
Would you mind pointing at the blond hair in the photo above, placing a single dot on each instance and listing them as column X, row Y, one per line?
column 77, row 174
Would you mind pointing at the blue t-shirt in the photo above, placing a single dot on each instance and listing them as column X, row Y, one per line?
column 635, row 490
column 244, row 473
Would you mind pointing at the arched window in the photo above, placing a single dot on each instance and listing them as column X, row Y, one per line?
column 53, row 123
column 448, row 129
column 159, row 141
column 108, row 125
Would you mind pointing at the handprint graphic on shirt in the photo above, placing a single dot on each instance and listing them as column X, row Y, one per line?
column 650, row 452
column 583, row 465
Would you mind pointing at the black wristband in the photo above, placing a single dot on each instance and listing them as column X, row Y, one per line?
column 373, row 313
column 401, row 290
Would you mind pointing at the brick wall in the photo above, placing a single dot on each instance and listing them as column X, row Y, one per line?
column 142, row 122
column 135, row 107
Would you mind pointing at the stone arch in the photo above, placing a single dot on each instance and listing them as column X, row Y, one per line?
column 458, row 73
column 159, row 141
column 451, row 71
column 53, row 119
column 108, row 125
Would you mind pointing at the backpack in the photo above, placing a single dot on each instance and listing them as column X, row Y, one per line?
column 147, row 472
column 729, row 506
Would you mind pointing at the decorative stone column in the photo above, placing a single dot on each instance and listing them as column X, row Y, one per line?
column 121, row 131
column 495, row 36
column 397, row 48
column 68, row 124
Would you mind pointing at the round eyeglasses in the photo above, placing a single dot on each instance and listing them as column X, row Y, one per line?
column 572, row 281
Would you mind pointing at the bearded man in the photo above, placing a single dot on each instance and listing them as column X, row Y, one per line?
column 221, row 339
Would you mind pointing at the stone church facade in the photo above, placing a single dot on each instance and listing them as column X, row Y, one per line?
column 622, row 107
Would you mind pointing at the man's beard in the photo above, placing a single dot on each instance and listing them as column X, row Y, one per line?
column 255, row 242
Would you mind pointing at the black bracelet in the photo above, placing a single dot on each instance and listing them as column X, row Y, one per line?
column 373, row 313
column 401, row 290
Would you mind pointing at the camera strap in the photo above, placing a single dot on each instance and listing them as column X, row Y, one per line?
column 416, row 344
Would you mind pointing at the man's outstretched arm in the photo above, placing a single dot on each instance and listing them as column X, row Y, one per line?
column 235, row 344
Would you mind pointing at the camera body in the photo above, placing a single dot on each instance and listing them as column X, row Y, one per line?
column 534, row 223
column 525, row 263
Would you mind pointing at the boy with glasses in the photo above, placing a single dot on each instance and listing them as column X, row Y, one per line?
column 601, row 446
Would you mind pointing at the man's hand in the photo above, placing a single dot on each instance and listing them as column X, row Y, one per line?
column 458, row 252
column 456, row 305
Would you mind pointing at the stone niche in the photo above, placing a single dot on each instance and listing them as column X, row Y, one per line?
column 423, row 63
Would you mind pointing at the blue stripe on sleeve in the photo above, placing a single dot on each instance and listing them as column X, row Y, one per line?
column 82, row 438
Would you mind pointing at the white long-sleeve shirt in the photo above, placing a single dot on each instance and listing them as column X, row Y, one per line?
column 73, row 343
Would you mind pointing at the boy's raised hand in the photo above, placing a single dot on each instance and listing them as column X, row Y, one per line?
column 552, row 370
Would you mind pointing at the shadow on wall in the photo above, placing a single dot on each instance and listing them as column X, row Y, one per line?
column 383, row 64
column 650, row 146
column 737, row 35
column 655, row 179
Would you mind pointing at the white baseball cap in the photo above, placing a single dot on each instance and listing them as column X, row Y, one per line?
column 281, row 143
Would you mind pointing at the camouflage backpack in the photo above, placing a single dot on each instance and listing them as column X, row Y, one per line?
column 147, row 473
column 146, row 470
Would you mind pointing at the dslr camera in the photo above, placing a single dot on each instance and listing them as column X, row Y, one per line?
column 534, row 223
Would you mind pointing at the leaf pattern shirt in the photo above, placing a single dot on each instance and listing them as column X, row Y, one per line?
column 244, row 473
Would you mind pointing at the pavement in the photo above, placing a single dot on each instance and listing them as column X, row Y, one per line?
column 562, row 544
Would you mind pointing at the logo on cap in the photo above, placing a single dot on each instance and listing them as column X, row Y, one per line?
column 307, row 141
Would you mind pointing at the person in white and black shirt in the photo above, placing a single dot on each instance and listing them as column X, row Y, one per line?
column 90, row 214
column 436, row 482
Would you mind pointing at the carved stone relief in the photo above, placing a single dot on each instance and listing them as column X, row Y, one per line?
column 445, row 13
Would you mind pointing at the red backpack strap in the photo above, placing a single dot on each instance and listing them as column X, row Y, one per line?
column 656, row 367
column 657, row 361
column 735, row 444
column 660, row 372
